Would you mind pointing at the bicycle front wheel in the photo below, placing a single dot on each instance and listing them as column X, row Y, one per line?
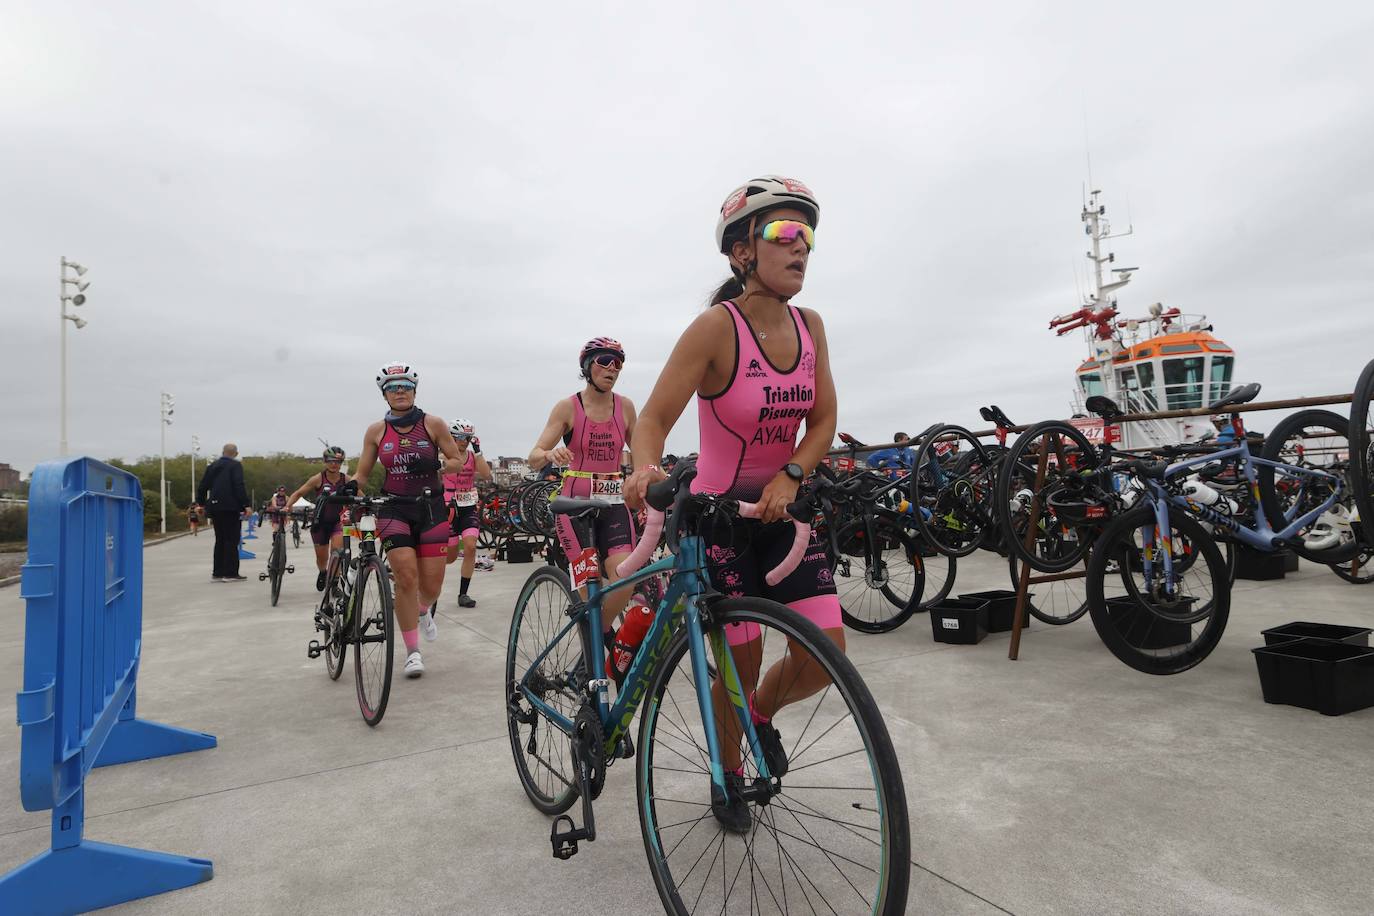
column 1154, row 625
column 373, row 638
column 542, row 750
column 879, row 575
column 276, row 568
column 830, row 834
column 331, row 618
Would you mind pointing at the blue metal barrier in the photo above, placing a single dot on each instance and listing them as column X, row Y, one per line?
column 82, row 642
column 250, row 536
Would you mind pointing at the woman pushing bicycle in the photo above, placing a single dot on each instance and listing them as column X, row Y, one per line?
column 409, row 443
column 759, row 367
column 326, row 531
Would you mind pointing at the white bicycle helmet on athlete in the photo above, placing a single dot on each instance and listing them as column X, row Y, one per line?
column 767, row 193
column 464, row 428
column 397, row 371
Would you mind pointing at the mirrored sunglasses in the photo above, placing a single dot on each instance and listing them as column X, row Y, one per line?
column 607, row 361
column 787, row 231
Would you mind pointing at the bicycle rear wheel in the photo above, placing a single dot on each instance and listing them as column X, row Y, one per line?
column 879, row 582
column 957, row 496
column 373, row 638
column 1362, row 451
column 542, row 750
column 1359, row 570
column 1135, row 615
column 1316, row 440
column 829, row 835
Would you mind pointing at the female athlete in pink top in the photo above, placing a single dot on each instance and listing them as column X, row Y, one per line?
column 594, row 427
column 465, row 513
column 760, row 368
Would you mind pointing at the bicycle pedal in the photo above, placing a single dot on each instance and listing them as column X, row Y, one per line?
column 290, row 569
column 565, row 843
column 262, row 576
column 314, row 649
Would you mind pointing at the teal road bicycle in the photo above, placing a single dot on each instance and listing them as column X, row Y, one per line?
column 800, row 811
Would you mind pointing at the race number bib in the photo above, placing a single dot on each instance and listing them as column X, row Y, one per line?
column 611, row 489
column 464, row 498
column 585, row 567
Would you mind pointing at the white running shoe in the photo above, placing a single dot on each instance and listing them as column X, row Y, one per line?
column 414, row 666
column 428, row 626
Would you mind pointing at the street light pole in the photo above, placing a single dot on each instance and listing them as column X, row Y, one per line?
column 166, row 415
column 195, row 450
column 77, row 298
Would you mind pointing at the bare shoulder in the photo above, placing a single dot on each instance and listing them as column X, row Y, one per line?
column 813, row 320
column 374, row 431
column 434, row 424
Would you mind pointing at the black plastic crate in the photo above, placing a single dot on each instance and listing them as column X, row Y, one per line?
column 1333, row 678
column 1146, row 630
column 963, row 621
column 1001, row 608
column 516, row 552
column 1290, row 561
column 1259, row 565
column 1331, row 632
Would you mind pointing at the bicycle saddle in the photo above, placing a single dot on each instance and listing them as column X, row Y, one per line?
column 565, row 505
column 1242, row 395
column 995, row 416
column 850, row 441
column 1104, row 407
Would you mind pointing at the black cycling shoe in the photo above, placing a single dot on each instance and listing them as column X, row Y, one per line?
column 466, row 601
column 319, row 581
column 732, row 811
column 771, row 743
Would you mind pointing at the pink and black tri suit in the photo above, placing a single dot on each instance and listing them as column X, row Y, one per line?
column 328, row 516
column 411, row 461
column 595, row 474
column 748, row 433
column 460, row 494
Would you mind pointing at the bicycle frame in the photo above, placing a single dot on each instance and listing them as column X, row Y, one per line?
column 1262, row 537
column 681, row 601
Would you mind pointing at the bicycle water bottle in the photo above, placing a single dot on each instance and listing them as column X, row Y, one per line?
column 1200, row 493
column 627, row 640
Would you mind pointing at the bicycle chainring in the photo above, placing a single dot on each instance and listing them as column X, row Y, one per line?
column 589, row 739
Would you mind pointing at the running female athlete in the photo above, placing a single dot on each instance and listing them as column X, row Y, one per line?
column 409, row 442
column 326, row 531
column 275, row 510
column 460, row 493
column 594, row 425
column 759, row 367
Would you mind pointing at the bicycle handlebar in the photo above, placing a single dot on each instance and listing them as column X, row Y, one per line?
column 674, row 492
column 385, row 499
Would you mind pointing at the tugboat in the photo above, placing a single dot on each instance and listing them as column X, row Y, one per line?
column 1165, row 360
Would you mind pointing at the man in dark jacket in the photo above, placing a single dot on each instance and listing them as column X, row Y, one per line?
column 222, row 493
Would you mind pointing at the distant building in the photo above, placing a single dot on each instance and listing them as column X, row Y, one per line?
column 9, row 479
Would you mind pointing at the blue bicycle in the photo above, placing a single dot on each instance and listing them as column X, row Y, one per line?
column 801, row 810
column 1173, row 600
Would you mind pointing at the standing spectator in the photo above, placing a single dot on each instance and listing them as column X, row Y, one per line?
column 899, row 457
column 222, row 490
column 193, row 519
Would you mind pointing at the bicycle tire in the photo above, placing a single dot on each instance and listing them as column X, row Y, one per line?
column 1017, row 460
column 1365, row 575
column 892, row 608
column 373, row 626
column 276, row 567
column 336, row 647
column 1120, row 531
column 1061, row 603
column 957, row 488
column 1270, row 500
column 1361, row 436
column 891, row 833
column 552, row 610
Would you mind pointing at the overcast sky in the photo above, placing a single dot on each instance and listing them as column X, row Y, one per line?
column 273, row 199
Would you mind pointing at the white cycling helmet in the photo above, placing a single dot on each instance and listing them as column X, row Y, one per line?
column 766, row 193
column 397, row 371
column 462, row 428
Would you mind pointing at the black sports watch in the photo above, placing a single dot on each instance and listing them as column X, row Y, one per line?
column 793, row 470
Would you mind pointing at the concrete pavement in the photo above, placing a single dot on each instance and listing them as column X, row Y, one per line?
column 1061, row 783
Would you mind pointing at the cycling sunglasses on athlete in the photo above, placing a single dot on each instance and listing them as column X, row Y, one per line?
column 787, row 231
column 607, row 361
